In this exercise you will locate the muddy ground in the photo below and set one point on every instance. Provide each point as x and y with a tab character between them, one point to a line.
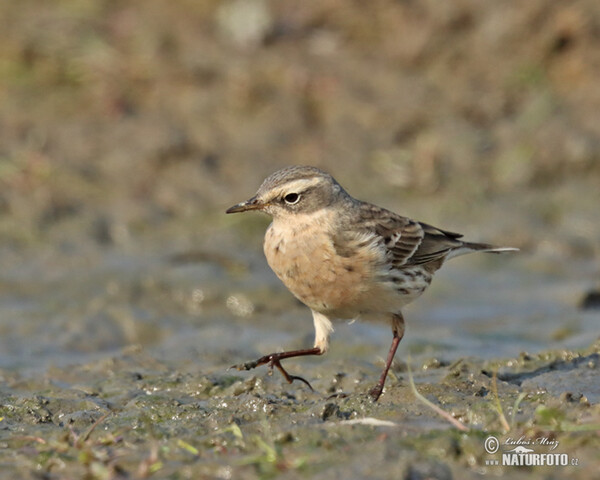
126	130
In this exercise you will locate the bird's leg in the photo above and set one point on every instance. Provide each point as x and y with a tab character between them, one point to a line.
274	360
398	331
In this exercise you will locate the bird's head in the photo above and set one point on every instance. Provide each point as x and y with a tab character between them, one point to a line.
294	190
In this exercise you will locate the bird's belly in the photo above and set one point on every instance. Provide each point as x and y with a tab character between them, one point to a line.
339	286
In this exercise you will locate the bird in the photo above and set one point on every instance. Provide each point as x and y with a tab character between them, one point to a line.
345	258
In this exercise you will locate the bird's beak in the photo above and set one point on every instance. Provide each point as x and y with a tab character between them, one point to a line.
252	204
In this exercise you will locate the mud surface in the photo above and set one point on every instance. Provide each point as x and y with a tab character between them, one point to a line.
126	293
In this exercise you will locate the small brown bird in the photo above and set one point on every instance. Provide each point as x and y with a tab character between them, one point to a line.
345	258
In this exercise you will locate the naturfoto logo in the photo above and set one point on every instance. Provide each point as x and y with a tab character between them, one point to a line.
525	452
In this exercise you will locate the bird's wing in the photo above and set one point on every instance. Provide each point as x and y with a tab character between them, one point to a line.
407	241
436	244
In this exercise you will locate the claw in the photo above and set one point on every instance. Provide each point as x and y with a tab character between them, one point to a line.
290	378
296	377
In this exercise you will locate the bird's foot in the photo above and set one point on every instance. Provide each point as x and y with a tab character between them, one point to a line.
376	392
273	360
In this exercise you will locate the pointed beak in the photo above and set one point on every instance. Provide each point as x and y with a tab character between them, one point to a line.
252	204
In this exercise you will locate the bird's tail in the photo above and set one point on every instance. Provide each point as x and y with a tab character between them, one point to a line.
486	247
469	247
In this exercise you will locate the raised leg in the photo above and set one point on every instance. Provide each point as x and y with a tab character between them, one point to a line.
274	360
398	332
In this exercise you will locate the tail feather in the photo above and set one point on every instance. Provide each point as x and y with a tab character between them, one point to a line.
469	247
486	247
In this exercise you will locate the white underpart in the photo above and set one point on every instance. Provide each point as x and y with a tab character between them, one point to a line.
323	329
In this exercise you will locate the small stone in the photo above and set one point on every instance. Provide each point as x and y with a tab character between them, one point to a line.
590	301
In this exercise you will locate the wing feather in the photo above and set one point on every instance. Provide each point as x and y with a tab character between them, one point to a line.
407	241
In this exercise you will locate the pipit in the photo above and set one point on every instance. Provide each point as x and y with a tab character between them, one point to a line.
345	258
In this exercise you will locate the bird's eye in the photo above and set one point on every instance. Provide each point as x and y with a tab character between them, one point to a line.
292	198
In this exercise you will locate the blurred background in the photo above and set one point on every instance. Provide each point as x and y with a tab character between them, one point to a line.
127	128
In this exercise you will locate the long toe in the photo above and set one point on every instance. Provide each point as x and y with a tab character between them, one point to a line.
242	366
296	377
249	365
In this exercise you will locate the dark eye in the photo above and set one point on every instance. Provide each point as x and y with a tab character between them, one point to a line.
292	198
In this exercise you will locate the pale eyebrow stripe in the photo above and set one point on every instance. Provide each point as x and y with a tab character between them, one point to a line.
296	186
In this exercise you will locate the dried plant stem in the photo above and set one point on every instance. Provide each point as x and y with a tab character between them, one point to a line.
503	420
461	426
